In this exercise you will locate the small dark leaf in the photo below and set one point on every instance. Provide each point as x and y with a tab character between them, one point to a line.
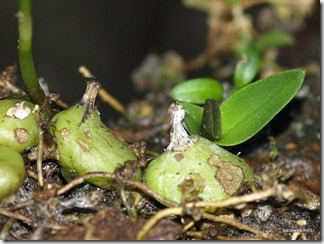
211	121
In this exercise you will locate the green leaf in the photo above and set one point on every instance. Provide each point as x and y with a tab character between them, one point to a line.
211	122
274	39
197	91
233	2
248	67
250	108
193	117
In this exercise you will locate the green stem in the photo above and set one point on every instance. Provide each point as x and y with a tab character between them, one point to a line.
26	62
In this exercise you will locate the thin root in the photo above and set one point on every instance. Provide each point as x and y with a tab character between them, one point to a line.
82	179
40	147
16	216
156	218
219	204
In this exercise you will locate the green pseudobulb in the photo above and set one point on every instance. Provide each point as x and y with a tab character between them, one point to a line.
86	145
18	126
216	173
12	171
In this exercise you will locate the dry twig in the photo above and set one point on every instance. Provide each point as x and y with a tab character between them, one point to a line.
104	95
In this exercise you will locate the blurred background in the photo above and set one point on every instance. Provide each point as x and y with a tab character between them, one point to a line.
113	37
110	37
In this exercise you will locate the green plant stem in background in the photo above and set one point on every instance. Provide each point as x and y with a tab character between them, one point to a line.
26	62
